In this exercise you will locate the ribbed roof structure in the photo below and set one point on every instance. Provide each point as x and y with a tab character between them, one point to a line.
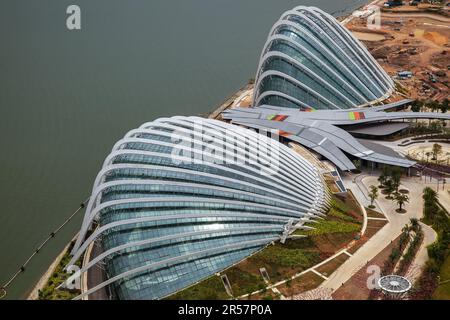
181	198
310	61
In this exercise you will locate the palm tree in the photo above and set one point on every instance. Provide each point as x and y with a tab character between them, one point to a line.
382	180
357	164
434	105
444	106
439	222
428	154
429	195
437	150
416	106
405	228
414	223
401	199
389	187
396	175
373	195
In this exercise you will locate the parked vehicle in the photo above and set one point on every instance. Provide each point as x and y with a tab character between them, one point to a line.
405	75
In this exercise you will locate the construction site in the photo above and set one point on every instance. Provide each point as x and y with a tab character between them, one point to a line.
412	44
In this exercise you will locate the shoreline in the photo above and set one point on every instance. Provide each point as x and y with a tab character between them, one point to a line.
34	293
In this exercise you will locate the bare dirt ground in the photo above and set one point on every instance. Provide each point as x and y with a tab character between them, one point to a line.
414	41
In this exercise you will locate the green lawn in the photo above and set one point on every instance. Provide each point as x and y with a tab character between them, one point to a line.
209	289
331	226
287	257
243	282
341	218
340	215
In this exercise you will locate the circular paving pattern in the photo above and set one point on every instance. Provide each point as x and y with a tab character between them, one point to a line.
394	284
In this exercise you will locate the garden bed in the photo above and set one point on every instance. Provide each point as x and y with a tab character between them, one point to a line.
373	226
305	282
209	289
442	292
374	214
59	275
328	268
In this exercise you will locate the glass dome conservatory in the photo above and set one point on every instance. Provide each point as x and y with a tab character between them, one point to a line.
179	199
310	61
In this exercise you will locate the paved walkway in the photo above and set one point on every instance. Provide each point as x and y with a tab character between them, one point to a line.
444	196
385	235
421	258
359	185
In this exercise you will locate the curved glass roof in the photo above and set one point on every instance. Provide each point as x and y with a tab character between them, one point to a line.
310	61
181	198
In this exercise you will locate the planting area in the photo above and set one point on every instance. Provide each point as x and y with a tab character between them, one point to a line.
50	291
374	214
434	281
305	282
424	152
328	268
373	226
443	290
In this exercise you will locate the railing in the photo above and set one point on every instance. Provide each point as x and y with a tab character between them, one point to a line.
22	268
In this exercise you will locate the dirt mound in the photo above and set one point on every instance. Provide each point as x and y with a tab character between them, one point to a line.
436	37
384	51
441	60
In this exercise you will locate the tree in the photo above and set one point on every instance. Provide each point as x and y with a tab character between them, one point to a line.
437	150
414	224
405	230
417	106
429	195
389	187
433	105
357	164
401	199
382	180
396	175
430	206
385	172
440	221
373	195
428	154
444	106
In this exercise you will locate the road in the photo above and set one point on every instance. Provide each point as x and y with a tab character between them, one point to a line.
431	16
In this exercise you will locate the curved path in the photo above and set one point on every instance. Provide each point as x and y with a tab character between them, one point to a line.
385	235
421	258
